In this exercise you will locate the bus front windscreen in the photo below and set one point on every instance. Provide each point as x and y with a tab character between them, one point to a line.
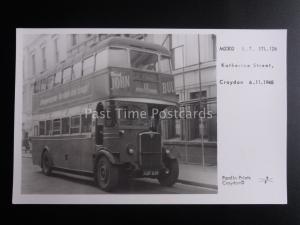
144	60
132	114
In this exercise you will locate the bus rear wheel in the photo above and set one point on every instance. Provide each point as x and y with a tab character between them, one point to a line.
170	178
107	174
46	164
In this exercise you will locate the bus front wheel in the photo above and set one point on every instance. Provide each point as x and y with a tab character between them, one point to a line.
46	164
169	178
107	174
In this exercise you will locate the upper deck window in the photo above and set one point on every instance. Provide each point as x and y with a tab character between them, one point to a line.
67	72
77	70
143	60
37	86
165	66
57	79
101	60
118	57
50	82
43	84
88	65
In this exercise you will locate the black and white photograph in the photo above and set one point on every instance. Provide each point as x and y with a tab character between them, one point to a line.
150	116
118	113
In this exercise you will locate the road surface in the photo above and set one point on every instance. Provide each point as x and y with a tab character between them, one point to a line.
35	182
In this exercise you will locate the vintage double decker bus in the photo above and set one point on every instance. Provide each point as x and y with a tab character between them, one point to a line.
117	73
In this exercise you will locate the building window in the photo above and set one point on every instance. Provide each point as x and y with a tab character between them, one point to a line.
44	58
48	127
65	125
86	123
178	57
42	127
196	95
56	127
56	50
66	75
88	65
77	70
57	79
33	64
74	39
75	124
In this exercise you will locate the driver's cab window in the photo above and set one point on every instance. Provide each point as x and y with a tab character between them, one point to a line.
110	114
155	120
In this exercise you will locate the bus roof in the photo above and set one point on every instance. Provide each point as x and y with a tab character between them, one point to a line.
130	42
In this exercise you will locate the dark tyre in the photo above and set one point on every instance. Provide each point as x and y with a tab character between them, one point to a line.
170	178
46	164
107	174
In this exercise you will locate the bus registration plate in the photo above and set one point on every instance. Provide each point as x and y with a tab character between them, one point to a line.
150	173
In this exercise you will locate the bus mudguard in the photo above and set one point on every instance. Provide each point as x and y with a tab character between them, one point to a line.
107	154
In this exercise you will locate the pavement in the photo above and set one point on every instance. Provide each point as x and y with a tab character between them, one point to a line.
195	174
189	174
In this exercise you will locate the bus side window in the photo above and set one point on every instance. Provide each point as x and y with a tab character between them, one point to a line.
86	123
56	127
48	127
42	127
65	125
36	130
75	124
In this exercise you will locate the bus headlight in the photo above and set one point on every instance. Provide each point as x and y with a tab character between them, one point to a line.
130	151
168	151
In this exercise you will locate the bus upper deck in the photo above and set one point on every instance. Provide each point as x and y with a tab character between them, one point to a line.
118	67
